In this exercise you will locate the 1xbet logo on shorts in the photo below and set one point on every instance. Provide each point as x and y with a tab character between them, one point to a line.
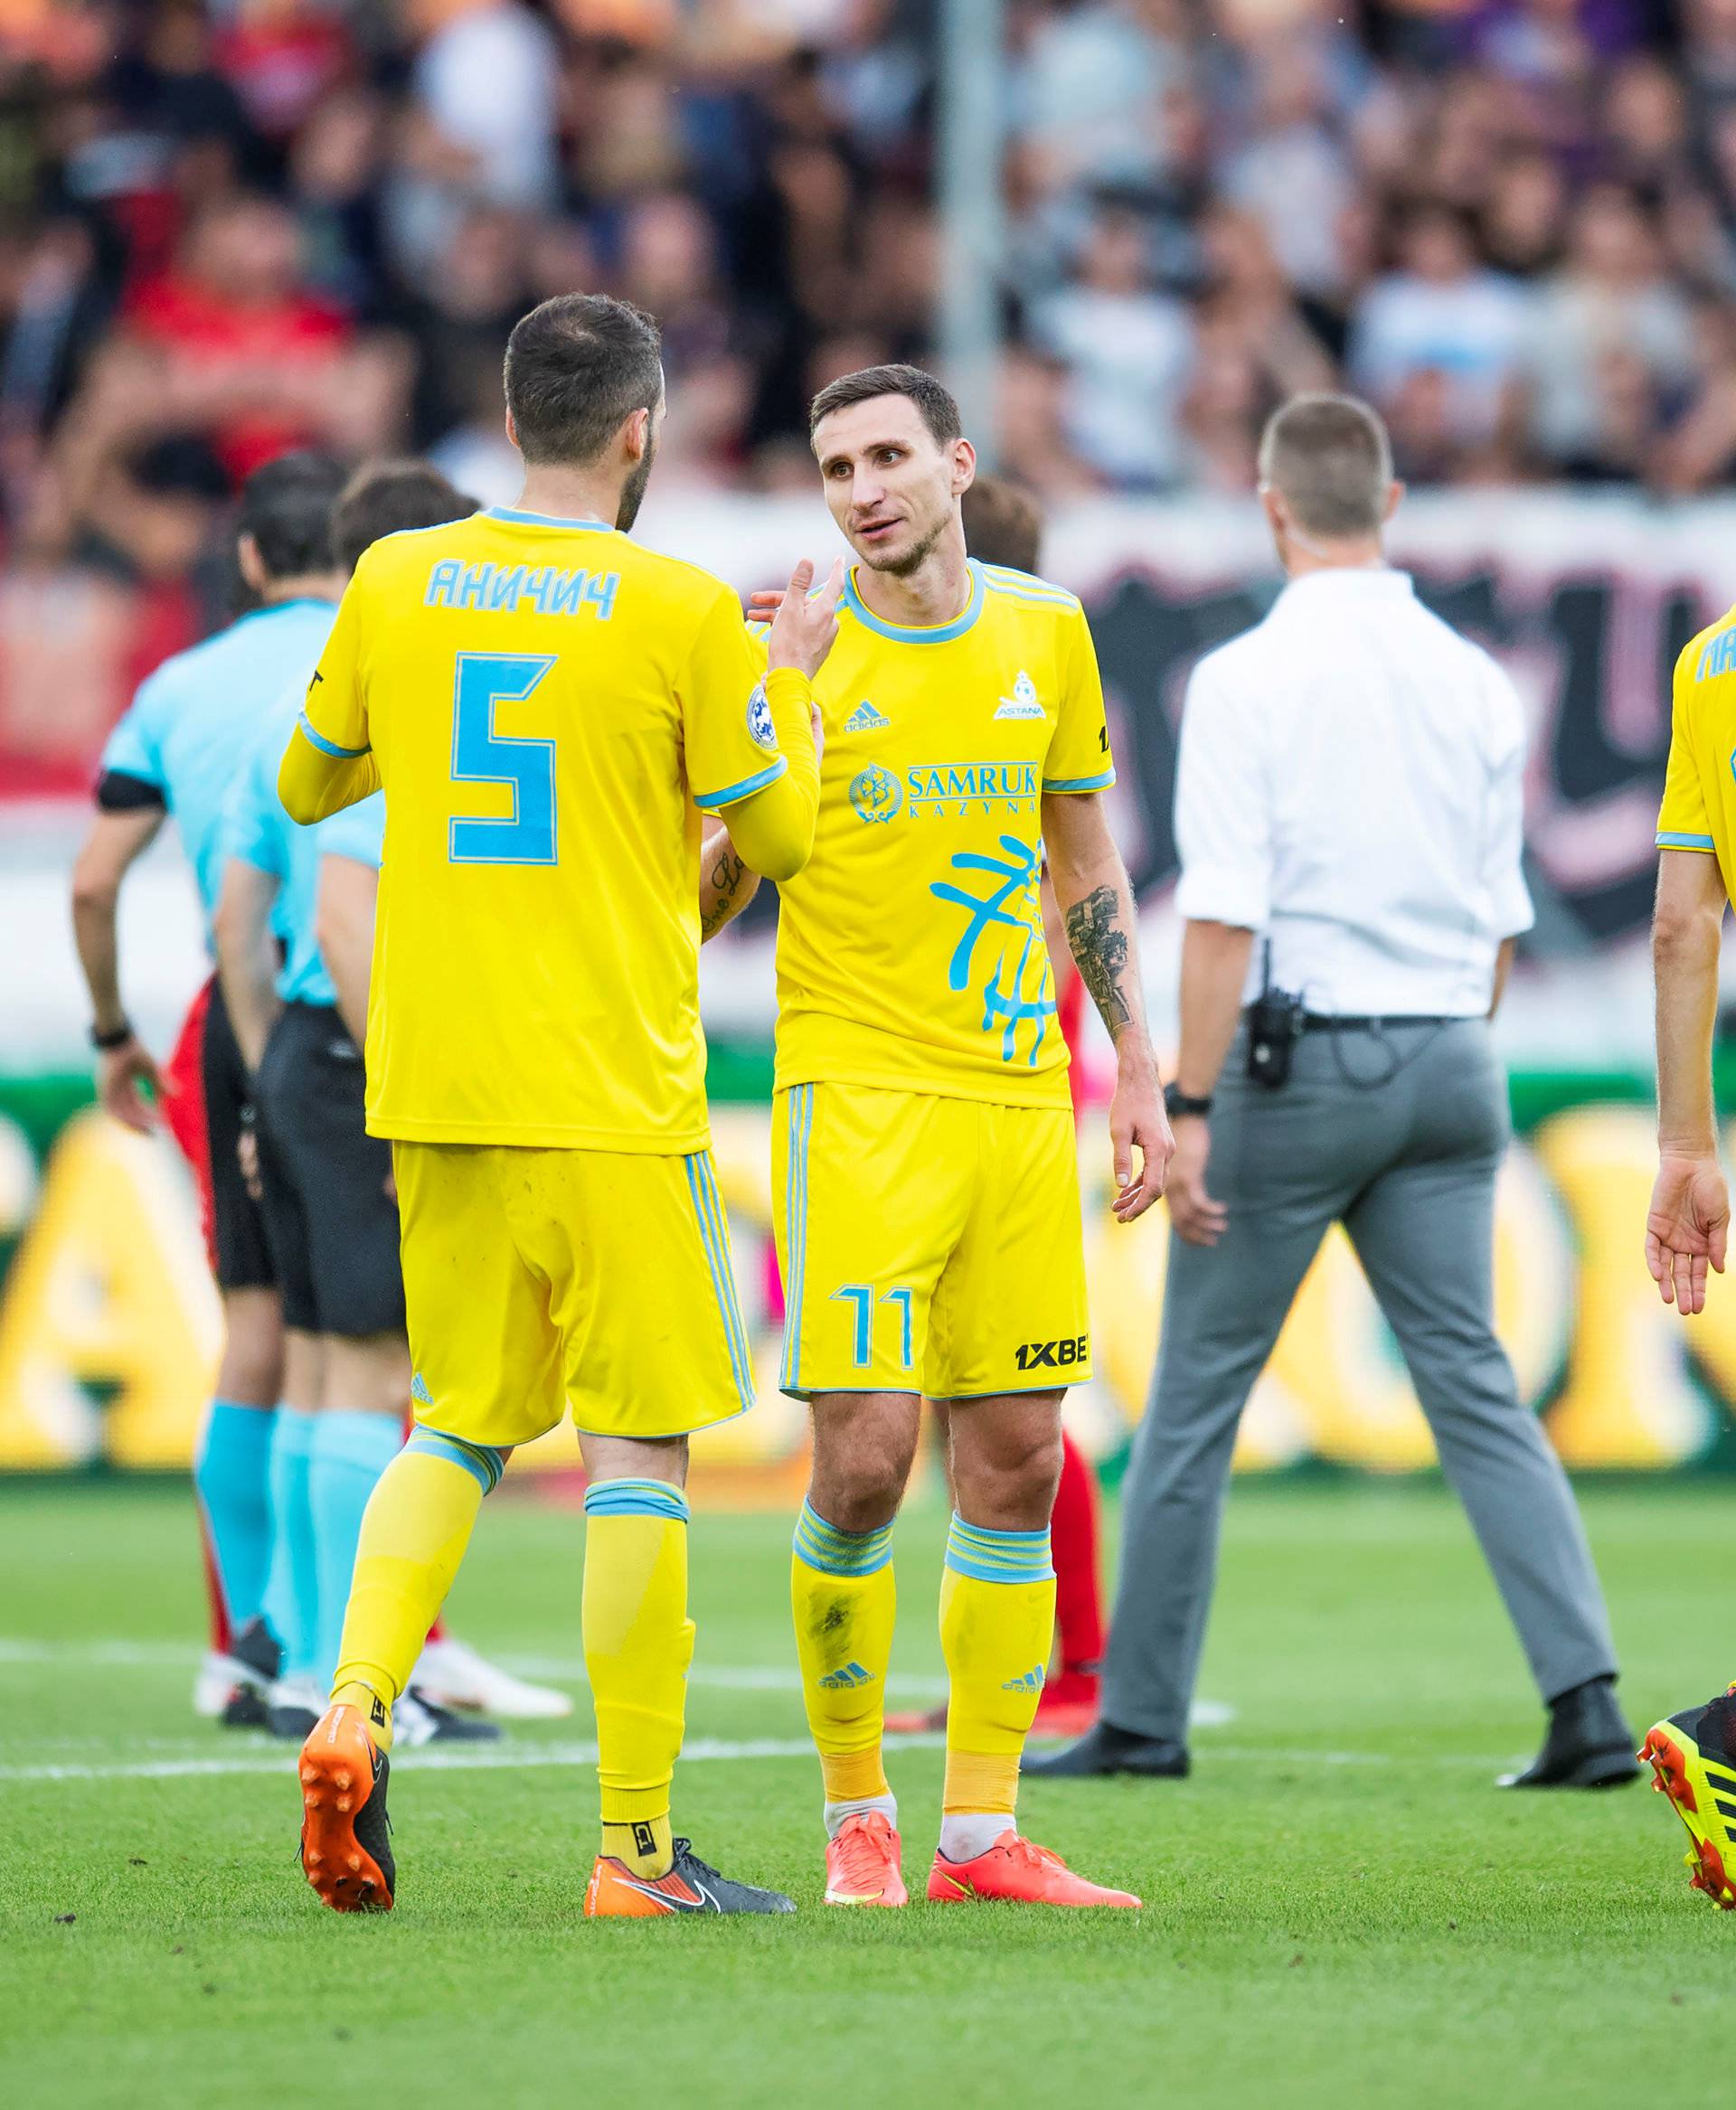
1054	1354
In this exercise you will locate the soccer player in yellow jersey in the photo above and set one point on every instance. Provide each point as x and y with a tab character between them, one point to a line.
925	1177
548	707
1693	1754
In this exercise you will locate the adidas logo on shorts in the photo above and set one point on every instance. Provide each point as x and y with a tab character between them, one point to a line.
1031	1681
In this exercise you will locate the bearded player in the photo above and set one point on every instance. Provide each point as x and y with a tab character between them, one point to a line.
925	1182
547	705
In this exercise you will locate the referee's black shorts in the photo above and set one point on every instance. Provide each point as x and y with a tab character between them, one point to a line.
331	1214
243	1255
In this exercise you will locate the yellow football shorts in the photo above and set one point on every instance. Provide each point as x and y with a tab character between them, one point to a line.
536	1279
927	1244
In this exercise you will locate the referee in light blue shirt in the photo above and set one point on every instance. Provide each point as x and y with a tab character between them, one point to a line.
175	754
299	1008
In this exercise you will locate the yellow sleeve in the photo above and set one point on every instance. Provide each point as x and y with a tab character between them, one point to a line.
773	829
727	727
1683	820
750	742
1079	757
329	763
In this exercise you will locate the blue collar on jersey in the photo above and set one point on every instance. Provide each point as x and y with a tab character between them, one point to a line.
544	519
919	634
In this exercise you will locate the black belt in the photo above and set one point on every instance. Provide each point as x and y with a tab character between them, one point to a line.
1317	1021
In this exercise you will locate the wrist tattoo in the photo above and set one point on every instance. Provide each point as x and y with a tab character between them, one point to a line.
726	878
1102	951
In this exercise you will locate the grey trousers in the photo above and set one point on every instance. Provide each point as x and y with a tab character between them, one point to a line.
1409	1166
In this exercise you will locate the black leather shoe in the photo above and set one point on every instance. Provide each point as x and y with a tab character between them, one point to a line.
1105	1749
1589	1743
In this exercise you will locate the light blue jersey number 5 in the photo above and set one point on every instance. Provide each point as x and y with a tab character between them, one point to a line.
482	755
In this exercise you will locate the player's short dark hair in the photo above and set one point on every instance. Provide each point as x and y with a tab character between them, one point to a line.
287	508
933	398
383	498
1003	524
577	368
1331	458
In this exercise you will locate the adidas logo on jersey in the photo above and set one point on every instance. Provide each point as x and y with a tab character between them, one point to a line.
1022	703
864	718
842	1681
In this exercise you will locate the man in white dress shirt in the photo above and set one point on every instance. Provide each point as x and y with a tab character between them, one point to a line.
1349	816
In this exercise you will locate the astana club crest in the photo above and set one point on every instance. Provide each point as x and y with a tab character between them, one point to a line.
875	792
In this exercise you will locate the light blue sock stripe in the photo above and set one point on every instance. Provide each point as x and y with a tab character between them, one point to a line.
483	1463
636	1498
709	1204
999	1557
984	1535
822	1546
801	1114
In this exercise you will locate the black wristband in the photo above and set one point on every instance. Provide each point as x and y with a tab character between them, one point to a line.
1177	1103
118	1037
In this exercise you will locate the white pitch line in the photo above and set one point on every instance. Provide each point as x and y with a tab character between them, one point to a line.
461	1758
698	1750
158	1655
163	1655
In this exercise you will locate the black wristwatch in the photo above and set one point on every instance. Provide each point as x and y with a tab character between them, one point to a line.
1177	1103
117	1037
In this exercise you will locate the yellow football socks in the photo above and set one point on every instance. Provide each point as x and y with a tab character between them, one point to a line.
638	1647
844	1600
997	1619
414	1530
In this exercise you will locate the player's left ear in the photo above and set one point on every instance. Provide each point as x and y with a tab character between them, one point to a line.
964	466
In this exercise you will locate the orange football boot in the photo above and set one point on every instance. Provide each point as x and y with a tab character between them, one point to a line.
861	1862
690	1885
1693	1757
1020	1869
345	1833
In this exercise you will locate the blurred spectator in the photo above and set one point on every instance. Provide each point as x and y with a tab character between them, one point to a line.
231	226
1442	312
1128	349
1609	334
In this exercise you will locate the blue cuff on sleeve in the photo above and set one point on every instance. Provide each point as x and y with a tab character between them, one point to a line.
732	794
327	747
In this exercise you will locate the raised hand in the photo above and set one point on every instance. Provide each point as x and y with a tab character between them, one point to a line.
805	623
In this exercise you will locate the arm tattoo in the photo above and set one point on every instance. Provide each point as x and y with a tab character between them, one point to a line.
726	879
1100	952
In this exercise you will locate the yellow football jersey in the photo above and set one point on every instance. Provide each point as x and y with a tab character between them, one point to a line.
548	705
1699	809
911	951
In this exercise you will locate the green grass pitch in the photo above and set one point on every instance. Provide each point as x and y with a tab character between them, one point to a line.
1340	1908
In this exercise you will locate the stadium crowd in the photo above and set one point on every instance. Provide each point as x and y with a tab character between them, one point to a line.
227	229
